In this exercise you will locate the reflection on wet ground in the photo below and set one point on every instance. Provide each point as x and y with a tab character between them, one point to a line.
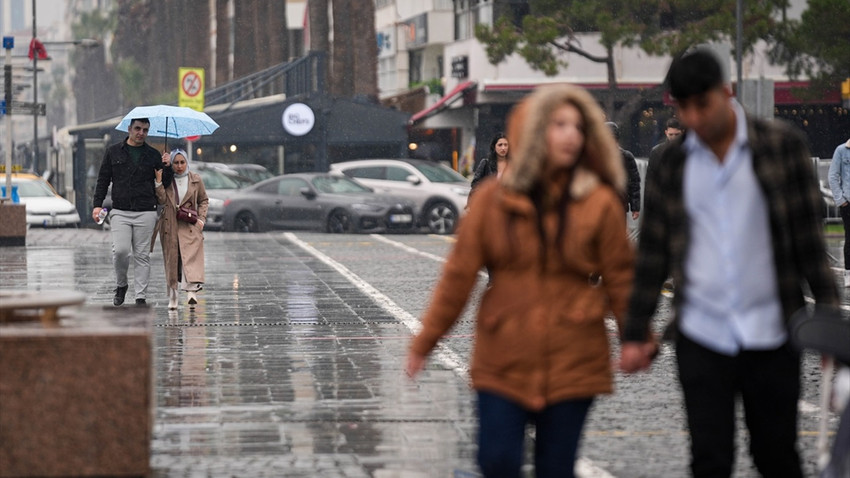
283	368
287	368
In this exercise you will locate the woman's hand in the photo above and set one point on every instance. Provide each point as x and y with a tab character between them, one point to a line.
415	364
637	356
158	174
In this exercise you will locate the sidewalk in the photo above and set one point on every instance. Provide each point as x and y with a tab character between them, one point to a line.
288	368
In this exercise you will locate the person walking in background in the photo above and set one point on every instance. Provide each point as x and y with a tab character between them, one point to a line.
631	200
732	212
552	234
839	182
182	242
130	167
672	130
495	162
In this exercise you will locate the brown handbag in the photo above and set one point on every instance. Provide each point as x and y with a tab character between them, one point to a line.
185	213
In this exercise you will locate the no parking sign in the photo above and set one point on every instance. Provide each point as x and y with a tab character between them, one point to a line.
192	88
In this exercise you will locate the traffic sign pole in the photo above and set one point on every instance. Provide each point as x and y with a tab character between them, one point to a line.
8	44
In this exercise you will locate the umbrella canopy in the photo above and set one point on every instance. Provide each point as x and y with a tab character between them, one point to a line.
171	121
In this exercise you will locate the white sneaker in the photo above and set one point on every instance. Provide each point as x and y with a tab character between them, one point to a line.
192	298
846	278
172	299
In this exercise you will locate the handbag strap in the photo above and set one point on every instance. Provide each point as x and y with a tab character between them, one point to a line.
176	194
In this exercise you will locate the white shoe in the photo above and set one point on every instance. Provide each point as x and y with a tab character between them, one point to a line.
172	299
847	278
192	298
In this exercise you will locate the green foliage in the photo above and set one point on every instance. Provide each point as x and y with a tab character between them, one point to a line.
93	24
817	44
131	77
659	27
435	85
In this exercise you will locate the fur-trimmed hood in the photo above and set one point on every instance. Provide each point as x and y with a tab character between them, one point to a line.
599	162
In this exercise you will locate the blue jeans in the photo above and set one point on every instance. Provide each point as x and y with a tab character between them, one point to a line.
502	432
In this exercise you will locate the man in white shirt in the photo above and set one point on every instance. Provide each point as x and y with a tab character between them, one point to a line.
732	213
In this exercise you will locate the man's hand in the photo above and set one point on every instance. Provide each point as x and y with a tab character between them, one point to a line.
635	215
845	204
166	159
637	356
95	212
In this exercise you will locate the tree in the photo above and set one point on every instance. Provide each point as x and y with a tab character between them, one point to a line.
658	27
95	82
816	45
354	62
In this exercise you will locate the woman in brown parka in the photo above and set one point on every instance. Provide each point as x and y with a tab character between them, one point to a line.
552	234
182	242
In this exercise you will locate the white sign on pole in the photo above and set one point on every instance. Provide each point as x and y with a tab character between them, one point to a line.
298	119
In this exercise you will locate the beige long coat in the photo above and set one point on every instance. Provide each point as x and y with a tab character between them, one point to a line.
181	236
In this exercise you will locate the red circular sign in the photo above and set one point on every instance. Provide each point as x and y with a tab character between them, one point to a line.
191	83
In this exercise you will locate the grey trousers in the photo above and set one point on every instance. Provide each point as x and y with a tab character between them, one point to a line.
131	234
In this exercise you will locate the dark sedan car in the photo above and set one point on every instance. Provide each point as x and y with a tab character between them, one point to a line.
318	201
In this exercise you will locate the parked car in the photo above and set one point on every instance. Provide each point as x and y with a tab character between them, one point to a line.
439	192
254	172
220	186
45	207
318	201
225	169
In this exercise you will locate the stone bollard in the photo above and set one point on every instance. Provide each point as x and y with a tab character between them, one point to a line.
76	398
13	224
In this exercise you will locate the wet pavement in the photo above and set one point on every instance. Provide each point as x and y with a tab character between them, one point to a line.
292	364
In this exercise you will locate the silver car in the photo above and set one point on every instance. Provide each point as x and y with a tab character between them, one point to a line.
439	192
219	188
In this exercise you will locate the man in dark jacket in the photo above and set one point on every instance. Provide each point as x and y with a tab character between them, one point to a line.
732	212
130	167
631	201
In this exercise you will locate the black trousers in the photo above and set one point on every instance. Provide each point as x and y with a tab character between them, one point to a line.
767	381
845	219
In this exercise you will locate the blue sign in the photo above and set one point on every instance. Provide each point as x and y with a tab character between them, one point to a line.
8	42
2	107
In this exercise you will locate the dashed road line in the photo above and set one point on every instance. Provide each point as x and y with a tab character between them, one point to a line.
449	358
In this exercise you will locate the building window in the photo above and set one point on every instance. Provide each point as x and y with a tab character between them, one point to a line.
469	13
415	65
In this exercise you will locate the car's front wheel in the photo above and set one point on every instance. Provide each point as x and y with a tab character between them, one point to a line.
441	218
339	222
245	222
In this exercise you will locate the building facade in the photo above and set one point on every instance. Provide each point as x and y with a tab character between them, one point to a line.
477	95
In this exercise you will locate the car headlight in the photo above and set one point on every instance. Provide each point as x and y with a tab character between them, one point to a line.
461	191
362	207
215	202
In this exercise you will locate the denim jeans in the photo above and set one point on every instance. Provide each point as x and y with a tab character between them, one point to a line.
502	432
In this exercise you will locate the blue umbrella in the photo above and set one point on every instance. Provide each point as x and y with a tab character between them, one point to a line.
171	121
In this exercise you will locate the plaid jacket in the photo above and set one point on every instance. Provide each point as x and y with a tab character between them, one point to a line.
784	170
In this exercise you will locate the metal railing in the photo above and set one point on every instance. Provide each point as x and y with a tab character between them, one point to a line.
303	76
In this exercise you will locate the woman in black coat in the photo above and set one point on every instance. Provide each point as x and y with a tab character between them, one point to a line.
495	161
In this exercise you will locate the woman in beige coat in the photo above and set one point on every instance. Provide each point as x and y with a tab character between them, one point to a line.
552	234
182	242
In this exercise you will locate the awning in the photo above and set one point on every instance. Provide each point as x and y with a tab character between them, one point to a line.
444	102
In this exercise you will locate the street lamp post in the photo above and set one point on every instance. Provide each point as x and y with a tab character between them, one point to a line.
34	96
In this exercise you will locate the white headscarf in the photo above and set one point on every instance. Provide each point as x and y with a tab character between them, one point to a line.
174	153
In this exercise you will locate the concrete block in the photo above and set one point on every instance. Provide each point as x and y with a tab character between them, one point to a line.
77	399
13	224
